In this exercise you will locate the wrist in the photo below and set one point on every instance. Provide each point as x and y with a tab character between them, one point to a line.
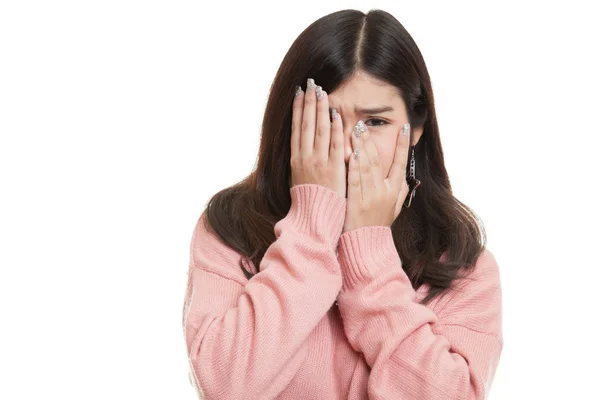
363	251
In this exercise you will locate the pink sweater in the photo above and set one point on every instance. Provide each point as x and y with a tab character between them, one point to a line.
279	335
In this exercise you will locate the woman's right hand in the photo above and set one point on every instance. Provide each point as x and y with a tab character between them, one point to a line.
317	143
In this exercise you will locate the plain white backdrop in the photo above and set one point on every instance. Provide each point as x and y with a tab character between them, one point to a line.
119	119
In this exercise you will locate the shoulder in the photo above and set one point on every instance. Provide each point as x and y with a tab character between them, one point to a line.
485	271
209	253
476	300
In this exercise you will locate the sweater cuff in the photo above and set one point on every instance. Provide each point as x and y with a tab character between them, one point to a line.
317	211
363	251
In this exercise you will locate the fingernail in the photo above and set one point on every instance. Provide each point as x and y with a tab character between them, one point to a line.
405	129
356	153
298	90
319	92
359	129
310	84
334	113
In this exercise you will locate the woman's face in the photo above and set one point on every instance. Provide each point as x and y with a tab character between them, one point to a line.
357	99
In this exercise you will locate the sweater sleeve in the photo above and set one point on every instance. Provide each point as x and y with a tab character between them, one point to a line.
414	352
246	339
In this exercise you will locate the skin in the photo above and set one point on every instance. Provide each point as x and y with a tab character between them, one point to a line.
373	183
365	91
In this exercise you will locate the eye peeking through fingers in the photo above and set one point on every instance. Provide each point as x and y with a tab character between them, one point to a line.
379	122
374	122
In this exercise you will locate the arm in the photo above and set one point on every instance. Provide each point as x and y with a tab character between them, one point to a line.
414	353
246	339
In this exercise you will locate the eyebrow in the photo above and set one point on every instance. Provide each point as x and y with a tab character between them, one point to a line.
374	110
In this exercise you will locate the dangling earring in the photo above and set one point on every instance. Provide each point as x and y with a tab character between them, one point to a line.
413	182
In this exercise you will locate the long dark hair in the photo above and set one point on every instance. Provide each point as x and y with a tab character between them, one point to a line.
330	50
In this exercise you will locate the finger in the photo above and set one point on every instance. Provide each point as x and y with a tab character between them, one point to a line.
354	189
307	140
398	169
297	107
336	152
374	160
323	133
366	176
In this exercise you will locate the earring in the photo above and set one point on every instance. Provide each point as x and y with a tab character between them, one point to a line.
413	182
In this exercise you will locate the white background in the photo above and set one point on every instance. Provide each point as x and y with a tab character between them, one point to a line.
119	119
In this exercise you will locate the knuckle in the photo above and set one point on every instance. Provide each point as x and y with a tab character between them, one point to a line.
318	163
322	131
304	162
306	125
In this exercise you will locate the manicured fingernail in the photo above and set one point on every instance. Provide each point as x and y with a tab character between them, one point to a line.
319	92
405	129
334	113
298	90
359	129
310	84
356	153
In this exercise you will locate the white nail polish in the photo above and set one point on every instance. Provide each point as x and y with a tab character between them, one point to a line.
359	129
319	92
405	129
310	84
356	153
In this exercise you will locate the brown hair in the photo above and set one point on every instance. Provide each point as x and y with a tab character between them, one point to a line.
330	50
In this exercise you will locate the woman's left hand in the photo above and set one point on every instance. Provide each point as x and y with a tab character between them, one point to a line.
372	199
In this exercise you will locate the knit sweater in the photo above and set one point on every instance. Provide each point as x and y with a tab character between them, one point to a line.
281	335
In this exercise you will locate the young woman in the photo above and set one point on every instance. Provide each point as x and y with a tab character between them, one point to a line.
343	267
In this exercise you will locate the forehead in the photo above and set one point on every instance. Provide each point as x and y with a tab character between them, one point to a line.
363	89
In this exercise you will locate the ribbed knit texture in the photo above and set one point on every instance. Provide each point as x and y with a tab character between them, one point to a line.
280	336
